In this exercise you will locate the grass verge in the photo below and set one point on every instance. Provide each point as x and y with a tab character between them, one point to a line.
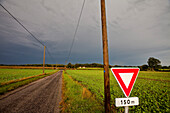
76	99
21	82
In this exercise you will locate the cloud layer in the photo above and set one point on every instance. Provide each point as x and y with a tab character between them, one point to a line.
137	30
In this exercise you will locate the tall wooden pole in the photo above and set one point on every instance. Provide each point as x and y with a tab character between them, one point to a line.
105	58
56	65
44	59
65	65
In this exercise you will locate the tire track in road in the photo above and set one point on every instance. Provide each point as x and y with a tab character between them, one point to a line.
41	96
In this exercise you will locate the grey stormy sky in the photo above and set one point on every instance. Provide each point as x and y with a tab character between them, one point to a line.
137	30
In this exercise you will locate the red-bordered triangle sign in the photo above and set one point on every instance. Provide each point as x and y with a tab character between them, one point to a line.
126	78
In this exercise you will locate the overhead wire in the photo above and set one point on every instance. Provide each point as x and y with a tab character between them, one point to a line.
69	54
50	54
27	30
21	25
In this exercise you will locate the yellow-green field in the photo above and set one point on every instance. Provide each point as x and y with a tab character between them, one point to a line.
14	74
152	88
11	79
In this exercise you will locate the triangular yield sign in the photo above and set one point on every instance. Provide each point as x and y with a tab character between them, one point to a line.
126	78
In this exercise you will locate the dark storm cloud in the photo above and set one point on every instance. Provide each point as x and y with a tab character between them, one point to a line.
137	32
137	29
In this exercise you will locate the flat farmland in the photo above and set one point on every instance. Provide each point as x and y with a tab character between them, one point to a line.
40	96
14	74
152	88
11	79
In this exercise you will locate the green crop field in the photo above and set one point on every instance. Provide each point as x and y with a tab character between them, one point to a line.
78	99
14	74
11	79
152	88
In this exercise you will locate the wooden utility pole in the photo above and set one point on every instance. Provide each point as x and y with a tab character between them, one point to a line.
44	59
65	65
105	58
56	65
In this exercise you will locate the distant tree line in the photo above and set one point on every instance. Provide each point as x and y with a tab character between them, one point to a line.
153	64
69	65
35	65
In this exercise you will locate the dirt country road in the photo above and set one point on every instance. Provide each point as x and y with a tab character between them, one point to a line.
41	96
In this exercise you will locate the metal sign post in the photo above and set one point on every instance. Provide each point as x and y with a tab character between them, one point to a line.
126	109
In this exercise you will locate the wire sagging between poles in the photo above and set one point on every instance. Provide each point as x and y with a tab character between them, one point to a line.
26	30
69	54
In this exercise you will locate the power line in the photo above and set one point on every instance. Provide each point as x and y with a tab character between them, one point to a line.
69	54
21	25
50	54
26	30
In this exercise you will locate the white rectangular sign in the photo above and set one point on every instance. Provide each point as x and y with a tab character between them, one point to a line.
131	101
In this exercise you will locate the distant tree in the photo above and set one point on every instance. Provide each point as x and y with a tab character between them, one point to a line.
158	67
69	65
86	65
144	67
117	66
94	65
48	65
153	63
76	65
60	65
165	67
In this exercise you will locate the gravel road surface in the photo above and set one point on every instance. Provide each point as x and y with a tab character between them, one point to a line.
41	96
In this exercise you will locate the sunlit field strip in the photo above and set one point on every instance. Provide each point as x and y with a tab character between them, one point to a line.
14	74
20	82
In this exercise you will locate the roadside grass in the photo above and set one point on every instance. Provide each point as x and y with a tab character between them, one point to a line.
75	100
13	85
